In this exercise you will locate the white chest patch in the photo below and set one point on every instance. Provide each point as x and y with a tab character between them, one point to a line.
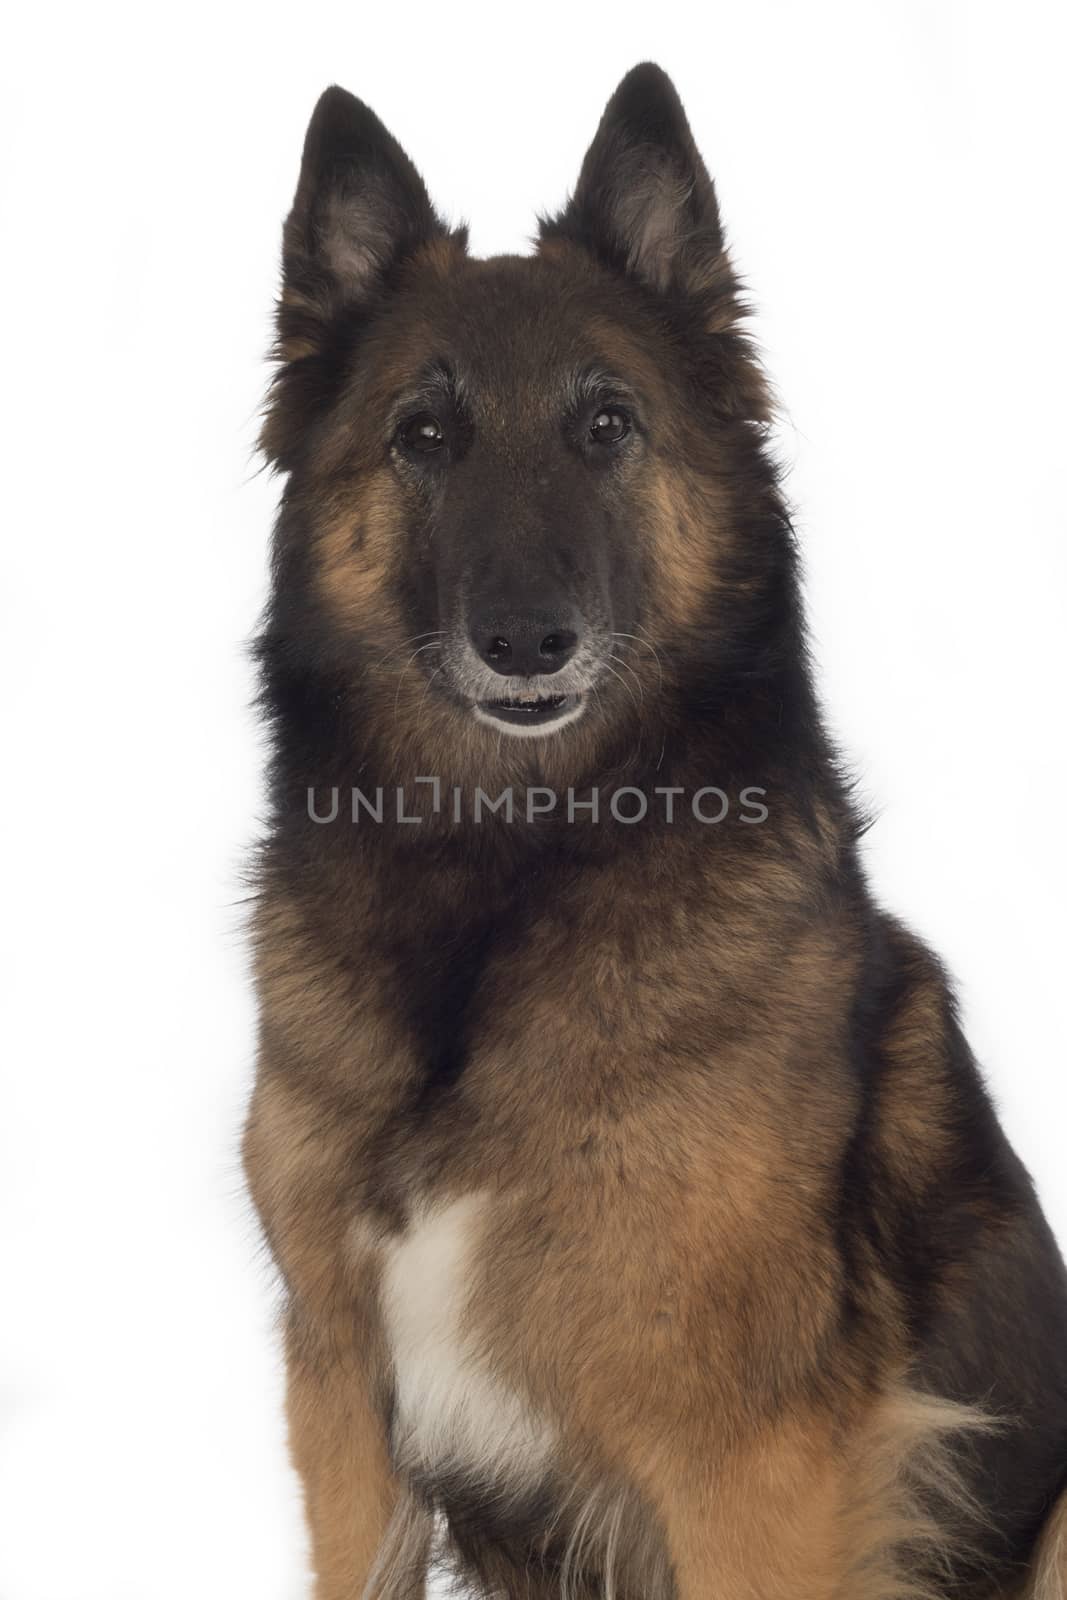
452	1413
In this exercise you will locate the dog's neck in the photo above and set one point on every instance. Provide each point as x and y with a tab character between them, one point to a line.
342	799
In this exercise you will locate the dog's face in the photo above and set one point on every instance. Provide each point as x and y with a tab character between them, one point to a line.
518	487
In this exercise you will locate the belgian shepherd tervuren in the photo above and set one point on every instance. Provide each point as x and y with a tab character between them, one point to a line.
645	1227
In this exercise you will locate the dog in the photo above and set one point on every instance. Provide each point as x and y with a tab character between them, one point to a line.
644	1225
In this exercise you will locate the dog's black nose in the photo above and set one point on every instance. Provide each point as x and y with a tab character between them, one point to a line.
525	643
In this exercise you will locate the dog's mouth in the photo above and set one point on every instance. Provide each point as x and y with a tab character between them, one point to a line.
529	711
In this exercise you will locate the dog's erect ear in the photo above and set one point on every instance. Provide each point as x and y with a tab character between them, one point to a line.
360	205
644	201
360	211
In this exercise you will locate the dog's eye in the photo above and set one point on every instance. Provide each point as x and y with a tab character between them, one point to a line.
422	433
609	426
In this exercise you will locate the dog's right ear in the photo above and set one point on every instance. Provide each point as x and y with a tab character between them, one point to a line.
360	205
361	209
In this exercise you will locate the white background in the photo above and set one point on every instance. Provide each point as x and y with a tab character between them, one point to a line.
892	178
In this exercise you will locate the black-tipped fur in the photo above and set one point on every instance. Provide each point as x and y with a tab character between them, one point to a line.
747	1235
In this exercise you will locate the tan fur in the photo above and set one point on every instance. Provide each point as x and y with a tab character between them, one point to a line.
358	544
339	1447
904	1491
623	1263
599	1253
821	1509
1049	1578
682	520
670	1319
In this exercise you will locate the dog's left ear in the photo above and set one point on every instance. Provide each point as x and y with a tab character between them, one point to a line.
644	201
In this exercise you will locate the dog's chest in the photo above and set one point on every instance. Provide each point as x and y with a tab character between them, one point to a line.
454	1415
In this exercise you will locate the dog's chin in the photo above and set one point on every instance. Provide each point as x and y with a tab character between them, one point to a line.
530	716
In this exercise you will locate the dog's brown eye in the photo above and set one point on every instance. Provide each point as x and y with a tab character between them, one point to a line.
422	433
609	426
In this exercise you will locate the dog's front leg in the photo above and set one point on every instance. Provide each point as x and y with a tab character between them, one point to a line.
765	1520
338	1445
820	1507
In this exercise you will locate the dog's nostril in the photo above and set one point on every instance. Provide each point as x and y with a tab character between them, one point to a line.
525	642
555	645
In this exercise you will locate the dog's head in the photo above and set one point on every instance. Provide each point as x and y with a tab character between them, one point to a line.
527	495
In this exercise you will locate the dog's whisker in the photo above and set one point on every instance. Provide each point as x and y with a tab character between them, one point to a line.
625	685
430	679
431	633
646	644
630	670
433	645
